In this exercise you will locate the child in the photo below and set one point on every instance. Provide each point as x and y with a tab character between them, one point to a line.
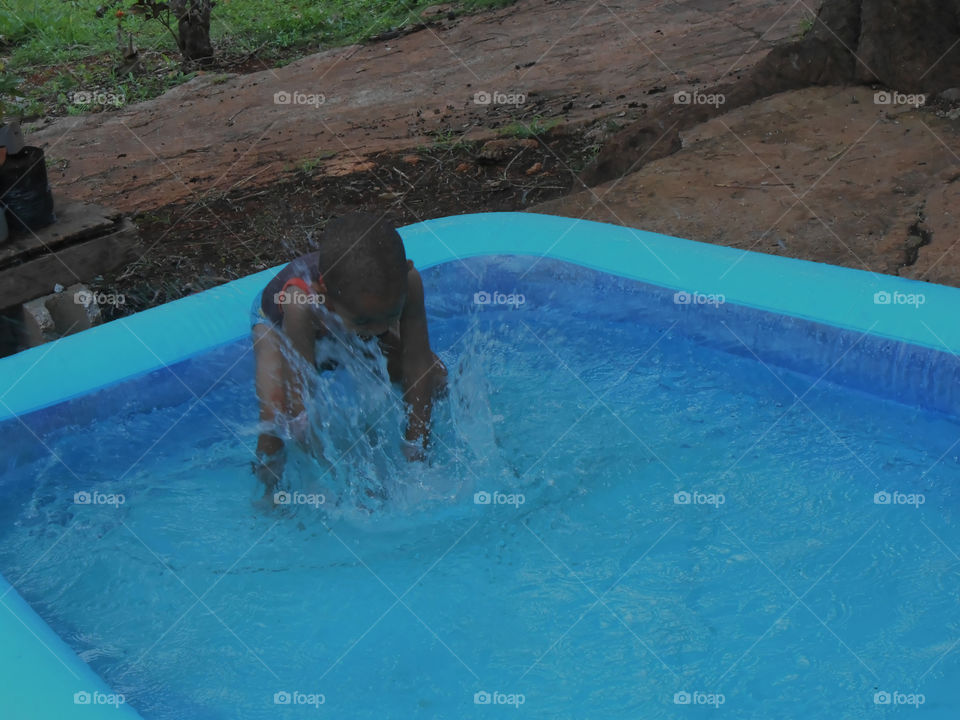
360	281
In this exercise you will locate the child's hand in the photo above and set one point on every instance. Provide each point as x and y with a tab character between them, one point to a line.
268	468
414	452
265	503
299	428
296	428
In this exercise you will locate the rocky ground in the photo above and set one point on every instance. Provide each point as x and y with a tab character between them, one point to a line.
224	181
821	174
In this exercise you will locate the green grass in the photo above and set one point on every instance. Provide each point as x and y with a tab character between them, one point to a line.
534	128
49	48
308	165
446	140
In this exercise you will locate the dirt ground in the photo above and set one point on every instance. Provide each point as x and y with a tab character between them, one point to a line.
223	181
220	131
193	246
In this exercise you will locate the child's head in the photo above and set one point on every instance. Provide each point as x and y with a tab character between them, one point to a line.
364	270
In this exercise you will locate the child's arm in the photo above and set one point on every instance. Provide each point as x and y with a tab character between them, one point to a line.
271	392
282	356
423	374
300	326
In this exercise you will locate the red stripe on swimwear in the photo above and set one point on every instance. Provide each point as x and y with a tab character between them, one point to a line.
295	282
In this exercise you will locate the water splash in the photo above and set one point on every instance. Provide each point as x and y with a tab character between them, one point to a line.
354	455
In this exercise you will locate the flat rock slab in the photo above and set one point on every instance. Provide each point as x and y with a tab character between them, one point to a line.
86	240
76	221
576	60
820	174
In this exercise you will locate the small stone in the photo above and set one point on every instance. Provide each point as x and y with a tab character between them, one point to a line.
435	11
496	150
411	159
38	326
952	95
534	169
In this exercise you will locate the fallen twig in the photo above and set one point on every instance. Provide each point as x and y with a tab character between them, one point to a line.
752	187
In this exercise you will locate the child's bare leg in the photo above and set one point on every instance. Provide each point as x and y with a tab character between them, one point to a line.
271	373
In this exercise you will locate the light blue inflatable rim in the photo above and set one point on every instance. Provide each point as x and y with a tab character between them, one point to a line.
40	675
828	294
37	665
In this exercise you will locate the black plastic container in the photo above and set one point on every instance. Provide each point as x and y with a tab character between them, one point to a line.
25	191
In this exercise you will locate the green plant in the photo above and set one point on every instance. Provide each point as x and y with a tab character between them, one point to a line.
51	47
308	165
447	140
534	128
192	20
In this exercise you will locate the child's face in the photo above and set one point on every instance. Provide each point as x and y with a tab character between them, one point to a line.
370	315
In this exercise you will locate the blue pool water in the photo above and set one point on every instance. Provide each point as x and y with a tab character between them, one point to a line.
783	588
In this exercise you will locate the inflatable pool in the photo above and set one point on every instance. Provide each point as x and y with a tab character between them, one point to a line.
632	381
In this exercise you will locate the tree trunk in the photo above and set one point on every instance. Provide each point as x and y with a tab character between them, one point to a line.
912	46
193	29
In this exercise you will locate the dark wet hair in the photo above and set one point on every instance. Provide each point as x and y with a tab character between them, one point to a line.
362	253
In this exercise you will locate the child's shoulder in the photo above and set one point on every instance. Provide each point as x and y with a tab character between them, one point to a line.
308	265
305	267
